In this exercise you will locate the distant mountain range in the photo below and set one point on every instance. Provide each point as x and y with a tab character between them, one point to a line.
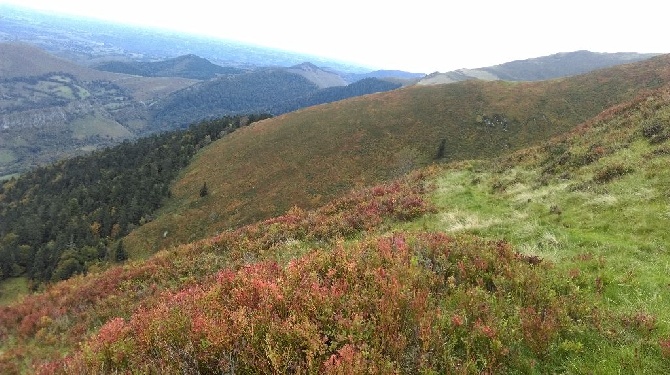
540	68
91	42
147	81
78	109
52	108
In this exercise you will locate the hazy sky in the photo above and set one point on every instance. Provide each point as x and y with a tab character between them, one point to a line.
417	35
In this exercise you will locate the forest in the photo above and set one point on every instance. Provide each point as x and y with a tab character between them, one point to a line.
59	220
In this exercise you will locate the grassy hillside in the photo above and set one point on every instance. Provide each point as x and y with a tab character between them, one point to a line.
307	157
551	259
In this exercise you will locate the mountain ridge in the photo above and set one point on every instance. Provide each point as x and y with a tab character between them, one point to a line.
186	66
558	65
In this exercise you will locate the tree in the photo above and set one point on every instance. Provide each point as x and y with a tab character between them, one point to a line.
120	253
203	190
441	149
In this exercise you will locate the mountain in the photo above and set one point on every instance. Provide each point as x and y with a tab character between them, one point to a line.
187	66
251	92
320	77
550	259
308	157
24	60
540	68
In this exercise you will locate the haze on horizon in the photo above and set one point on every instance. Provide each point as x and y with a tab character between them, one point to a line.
420	36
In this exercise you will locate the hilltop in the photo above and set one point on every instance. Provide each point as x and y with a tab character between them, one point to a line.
310	156
490	265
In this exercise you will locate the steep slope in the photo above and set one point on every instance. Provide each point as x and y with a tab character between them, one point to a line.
540	68
307	157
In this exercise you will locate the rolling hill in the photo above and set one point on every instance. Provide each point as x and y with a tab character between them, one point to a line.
558	65
187	66
307	157
24	60
549	259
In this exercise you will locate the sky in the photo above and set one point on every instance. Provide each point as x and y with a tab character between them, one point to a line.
421	36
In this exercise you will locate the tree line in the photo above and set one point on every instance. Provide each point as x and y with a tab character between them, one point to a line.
59	220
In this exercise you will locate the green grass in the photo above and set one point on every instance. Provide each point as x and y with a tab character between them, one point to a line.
11	289
7	156
92	126
610	235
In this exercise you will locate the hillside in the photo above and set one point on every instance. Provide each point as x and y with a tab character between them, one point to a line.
307	157
271	90
56	109
187	66
18	60
51	108
551	259
558	65
63	219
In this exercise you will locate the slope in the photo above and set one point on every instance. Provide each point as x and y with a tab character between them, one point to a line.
307	157
371	282
594	202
